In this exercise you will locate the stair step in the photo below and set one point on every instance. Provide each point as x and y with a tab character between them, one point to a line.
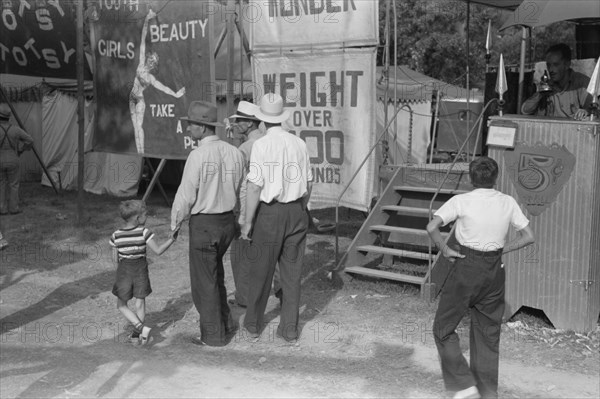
393	251
387	275
430	190
407	210
403	230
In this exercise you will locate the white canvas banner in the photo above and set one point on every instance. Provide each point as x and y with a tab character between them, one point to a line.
311	23
331	96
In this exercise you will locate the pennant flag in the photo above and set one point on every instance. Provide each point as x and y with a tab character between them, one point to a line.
501	86
488	40
594	86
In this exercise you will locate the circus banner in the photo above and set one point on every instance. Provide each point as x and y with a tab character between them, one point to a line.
289	24
331	96
152	58
38	38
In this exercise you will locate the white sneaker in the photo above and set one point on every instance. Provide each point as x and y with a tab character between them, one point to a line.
469	393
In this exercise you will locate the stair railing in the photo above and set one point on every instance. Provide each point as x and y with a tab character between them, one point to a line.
476	124
337	205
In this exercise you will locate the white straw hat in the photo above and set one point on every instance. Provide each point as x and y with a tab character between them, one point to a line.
245	110
271	109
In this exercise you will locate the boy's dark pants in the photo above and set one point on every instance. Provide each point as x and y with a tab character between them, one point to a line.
210	236
476	282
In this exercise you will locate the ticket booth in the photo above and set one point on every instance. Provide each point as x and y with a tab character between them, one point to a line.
552	168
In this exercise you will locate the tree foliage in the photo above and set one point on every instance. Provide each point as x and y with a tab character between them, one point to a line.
432	38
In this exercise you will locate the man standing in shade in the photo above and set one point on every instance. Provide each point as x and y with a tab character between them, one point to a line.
279	187
247	125
209	191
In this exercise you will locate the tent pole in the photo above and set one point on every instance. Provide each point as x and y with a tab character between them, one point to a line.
230	54
468	74
522	69
80	114
154	179
20	123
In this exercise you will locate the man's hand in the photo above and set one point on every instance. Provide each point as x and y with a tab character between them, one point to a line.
174	234
245	231
580	114
451	254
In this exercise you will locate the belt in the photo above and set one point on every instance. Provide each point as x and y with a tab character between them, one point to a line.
283	203
213	214
480	253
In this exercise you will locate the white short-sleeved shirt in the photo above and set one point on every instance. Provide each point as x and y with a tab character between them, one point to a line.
483	217
280	165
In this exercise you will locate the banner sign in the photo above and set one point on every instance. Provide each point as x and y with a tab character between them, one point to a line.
39	38
152	59
311	23
331	96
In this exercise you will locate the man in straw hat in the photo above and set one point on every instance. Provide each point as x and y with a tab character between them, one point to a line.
209	191
279	187
247	125
13	142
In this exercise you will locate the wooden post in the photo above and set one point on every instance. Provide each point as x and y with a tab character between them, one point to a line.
230	53
80	114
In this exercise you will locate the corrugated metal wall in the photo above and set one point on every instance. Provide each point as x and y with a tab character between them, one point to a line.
551	275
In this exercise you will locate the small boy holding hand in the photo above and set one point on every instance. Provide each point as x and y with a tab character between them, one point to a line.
129	251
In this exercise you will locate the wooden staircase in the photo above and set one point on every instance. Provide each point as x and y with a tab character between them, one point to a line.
392	242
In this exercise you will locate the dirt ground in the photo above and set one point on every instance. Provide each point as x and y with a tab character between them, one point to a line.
62	336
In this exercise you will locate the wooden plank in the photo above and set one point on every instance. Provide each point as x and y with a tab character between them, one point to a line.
403	230
407	210
430	190
394	252
385	275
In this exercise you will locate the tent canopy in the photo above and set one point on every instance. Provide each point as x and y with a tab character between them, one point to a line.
535	13
413	86
506	4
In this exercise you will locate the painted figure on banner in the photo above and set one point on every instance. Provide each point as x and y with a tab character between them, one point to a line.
143	79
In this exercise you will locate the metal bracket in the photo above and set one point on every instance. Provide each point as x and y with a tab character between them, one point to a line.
586	283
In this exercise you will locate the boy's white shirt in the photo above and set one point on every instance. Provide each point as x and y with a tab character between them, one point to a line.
483	218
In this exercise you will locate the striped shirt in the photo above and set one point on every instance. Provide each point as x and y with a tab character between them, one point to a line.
131	243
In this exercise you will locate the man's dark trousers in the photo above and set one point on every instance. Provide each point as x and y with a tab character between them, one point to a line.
210	236
241	269
279	234
475	283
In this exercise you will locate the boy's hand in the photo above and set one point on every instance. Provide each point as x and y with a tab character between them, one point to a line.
174	234
451	254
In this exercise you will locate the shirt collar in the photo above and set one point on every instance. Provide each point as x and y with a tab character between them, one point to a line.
256	133
209	139
275	129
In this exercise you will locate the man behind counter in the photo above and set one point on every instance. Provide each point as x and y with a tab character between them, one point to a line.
568	96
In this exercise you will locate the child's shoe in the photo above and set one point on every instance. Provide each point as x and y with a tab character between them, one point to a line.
145	335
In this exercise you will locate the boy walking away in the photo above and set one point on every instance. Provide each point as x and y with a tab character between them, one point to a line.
129	251
476	281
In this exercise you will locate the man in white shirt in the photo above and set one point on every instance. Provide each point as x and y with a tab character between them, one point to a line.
209	192
279	187
476	282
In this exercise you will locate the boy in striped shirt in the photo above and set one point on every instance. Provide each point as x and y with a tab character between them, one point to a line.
129	251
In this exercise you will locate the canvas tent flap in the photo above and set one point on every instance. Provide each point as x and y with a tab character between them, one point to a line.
113	174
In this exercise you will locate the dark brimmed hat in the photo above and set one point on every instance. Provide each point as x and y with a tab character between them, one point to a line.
5	111
202	112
